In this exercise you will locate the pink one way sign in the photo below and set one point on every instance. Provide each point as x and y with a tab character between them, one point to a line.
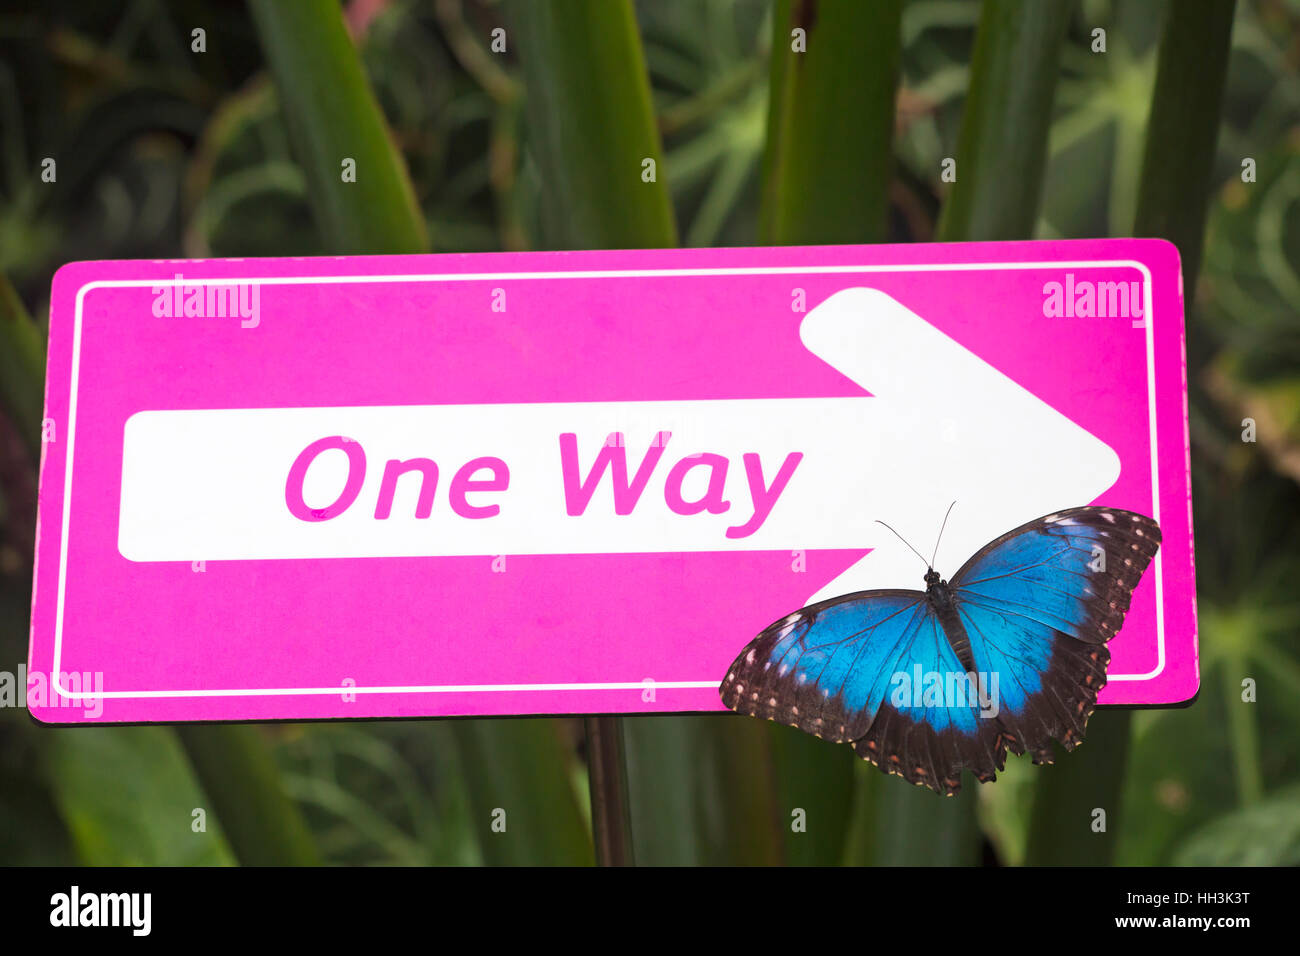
573	482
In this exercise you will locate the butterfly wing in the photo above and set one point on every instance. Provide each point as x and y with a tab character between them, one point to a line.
818	668
1039	604
928	727
850	670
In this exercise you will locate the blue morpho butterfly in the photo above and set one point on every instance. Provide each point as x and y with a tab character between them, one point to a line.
1008	655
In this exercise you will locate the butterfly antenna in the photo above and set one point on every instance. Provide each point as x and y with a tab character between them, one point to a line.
904	540
941	527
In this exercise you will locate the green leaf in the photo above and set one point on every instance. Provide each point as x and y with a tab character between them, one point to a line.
32	831
129	799
1265	834
332	118
381	792
860	840
1177	780
664	772
1069	793
1004	810
702	791
814	786
918	827
830	122
591	125
240	778
1184	127
1002	149
524	809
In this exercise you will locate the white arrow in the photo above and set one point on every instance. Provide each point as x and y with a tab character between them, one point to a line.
944	425
956	429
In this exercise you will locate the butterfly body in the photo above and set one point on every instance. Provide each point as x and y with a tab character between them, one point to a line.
944	604
1006	656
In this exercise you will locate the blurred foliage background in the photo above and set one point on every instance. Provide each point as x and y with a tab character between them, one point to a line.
166	151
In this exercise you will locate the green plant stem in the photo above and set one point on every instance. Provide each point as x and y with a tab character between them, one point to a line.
1002	148
828	160
522	802
1183	128
332	116
237	772
592	124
